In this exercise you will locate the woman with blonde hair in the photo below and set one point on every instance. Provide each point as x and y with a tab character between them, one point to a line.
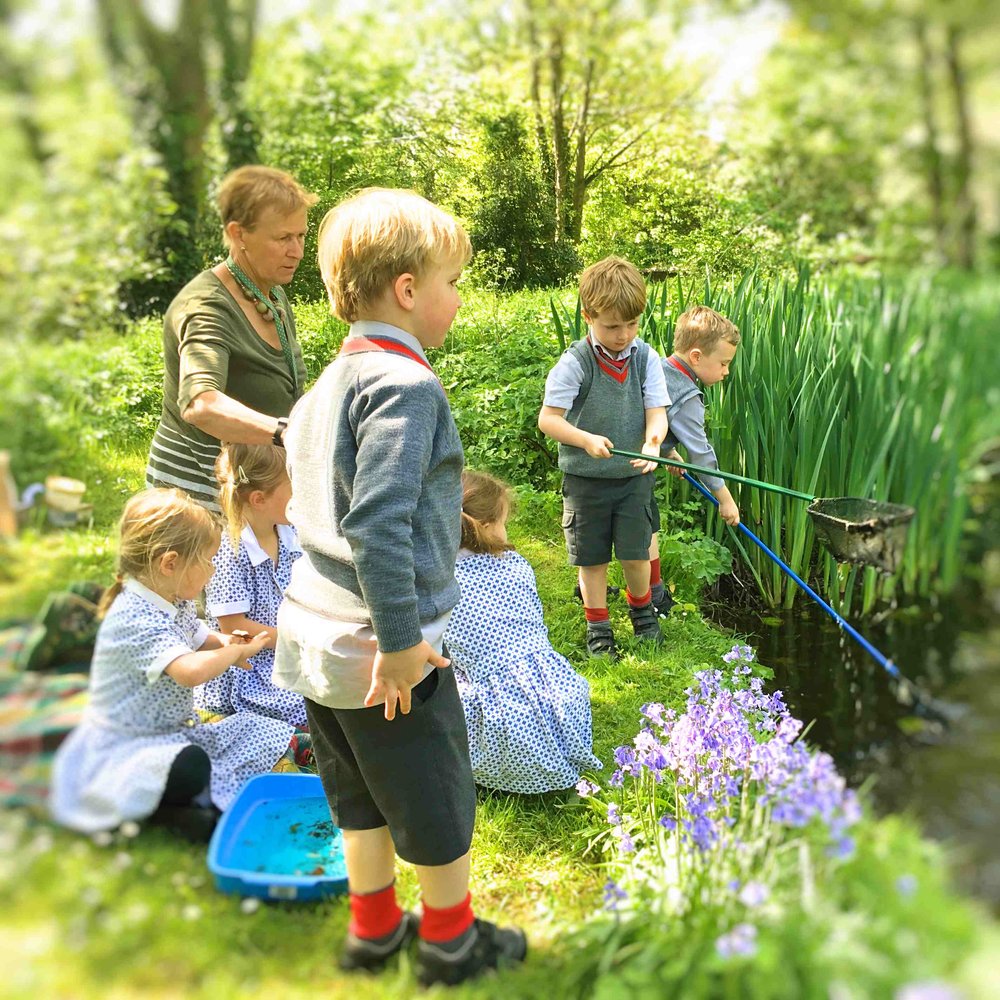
232	366
142	751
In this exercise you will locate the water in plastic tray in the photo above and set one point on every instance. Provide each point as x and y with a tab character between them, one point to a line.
289	837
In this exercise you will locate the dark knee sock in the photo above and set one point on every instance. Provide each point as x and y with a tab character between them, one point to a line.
189	774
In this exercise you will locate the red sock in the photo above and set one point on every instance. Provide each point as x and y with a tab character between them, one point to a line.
638	602
374	914
446	924
596	614
654	572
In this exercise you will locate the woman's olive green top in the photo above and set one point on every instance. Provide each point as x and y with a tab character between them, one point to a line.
208	343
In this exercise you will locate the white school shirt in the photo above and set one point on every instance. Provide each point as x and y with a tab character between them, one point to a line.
247	582
330	661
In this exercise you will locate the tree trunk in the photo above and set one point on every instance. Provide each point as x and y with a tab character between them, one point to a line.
580	166
965	209
165	73
932	150
560	141
535	71
234	26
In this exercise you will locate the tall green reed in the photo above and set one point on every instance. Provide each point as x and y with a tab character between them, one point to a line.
845	387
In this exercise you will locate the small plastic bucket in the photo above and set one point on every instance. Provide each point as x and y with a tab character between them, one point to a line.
870	532
64	494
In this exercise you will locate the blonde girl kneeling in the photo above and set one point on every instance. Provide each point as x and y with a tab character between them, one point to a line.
141	751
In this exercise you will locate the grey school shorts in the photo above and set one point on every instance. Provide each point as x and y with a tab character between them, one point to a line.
601	513
412	775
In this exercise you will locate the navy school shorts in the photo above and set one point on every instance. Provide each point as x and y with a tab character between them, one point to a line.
412	774
601	514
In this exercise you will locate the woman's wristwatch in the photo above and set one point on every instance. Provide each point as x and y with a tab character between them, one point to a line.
279	432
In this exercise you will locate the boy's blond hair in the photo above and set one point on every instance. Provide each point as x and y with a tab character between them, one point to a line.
703	328
370	239
612	285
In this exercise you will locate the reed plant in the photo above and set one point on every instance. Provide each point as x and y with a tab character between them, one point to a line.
875	388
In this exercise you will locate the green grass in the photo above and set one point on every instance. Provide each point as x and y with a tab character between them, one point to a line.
141	917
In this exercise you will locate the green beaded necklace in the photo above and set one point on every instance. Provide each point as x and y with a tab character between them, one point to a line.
270	309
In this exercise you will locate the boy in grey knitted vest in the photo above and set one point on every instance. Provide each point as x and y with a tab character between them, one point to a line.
609	385
376	462
705	344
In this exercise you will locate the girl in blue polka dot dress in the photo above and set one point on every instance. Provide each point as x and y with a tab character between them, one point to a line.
141	750
252	569
527	710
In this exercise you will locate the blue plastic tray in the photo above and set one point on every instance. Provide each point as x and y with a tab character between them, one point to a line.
277	841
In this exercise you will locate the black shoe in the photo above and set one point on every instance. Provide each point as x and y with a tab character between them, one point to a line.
482	947
192	823
612	592
370	954
662	603
601	640
645	623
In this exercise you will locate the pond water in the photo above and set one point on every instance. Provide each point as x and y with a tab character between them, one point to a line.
947	777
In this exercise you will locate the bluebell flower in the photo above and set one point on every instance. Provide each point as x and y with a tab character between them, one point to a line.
613	895
754	894
741	940
906	885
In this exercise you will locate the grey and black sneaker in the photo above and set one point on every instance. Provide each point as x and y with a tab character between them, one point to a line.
370	954
663	601
482	947
601	640
645	623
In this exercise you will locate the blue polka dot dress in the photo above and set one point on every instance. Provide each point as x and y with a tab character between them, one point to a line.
527	710
114	765
247	582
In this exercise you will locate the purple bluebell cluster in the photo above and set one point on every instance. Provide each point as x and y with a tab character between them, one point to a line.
722	778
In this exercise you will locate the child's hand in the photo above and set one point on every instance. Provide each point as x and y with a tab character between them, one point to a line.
672	469
651	448
597	446
394	675
249	647
729	512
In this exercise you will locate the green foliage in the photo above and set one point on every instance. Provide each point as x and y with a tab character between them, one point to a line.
510	215
494	370
866	928
688	556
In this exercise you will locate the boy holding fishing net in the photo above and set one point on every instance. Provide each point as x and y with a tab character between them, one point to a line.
705	344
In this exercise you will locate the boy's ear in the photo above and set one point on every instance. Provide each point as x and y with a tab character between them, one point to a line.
587	318
402	288
695	354
168	563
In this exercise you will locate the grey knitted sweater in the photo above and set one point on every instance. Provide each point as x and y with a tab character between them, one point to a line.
376	464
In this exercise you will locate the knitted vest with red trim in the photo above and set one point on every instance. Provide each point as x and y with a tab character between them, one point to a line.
605	405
